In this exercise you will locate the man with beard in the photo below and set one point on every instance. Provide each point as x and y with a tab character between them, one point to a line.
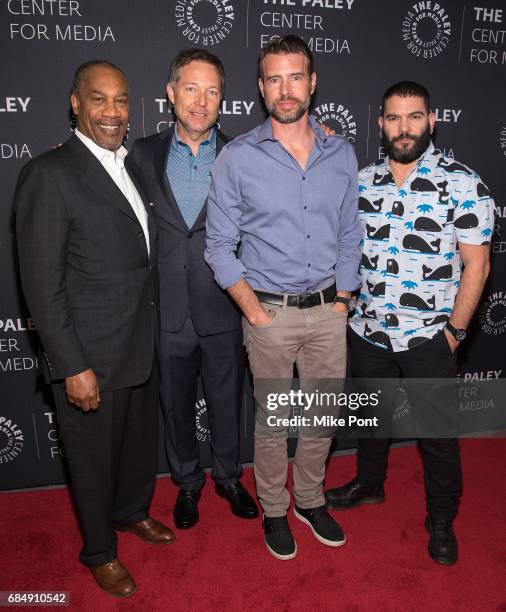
200	325
87	244
431	216
288	195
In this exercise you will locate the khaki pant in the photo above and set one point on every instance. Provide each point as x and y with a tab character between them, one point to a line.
314	339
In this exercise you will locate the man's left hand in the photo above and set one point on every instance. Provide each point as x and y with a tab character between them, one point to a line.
338	307
454	344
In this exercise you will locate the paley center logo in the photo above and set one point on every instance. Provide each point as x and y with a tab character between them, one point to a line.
204	22
493	314
11	440
502	140
426	29
498	245
203	433
338	117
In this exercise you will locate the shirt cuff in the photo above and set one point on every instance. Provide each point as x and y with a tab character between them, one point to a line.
348	280
229	275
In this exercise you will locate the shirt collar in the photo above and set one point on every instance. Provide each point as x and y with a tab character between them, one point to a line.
178	144
264	131
116	157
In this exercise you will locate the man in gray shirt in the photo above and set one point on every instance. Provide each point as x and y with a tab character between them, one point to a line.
289	196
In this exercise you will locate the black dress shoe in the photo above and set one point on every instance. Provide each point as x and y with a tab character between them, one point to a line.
353	494
443	545
186	512
241	502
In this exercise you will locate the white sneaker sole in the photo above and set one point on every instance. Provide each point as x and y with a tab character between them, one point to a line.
320	538
281	557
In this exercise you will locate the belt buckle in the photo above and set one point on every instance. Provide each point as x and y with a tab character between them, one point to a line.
301	300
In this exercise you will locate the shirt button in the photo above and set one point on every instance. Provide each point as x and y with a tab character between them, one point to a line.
194	167
305	207
303	178
308	236
308	265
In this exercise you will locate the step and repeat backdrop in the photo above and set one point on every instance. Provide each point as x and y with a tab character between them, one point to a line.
456	49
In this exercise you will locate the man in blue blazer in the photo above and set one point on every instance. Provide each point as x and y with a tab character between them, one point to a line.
200	325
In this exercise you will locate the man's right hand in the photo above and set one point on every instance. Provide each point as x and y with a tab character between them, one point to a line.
261	317
82	390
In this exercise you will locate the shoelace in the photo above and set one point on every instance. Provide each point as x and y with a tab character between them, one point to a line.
277	524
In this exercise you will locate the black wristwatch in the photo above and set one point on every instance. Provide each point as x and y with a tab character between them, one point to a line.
350	303
458	334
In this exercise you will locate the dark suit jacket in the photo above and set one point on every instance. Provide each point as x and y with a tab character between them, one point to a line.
186	281
85	271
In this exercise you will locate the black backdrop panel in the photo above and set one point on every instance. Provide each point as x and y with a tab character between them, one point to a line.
458	50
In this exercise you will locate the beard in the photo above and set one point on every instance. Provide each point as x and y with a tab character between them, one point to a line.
290	116
406	155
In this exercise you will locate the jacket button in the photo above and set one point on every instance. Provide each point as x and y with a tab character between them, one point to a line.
152	303
140	235
190	234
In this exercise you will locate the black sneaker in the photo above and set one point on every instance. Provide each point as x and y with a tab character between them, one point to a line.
354	493
443	546
278	537
323	526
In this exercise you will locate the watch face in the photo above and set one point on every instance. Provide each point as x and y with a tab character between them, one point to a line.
352	303
460	335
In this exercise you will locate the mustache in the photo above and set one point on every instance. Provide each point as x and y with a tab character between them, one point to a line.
404	136
287	98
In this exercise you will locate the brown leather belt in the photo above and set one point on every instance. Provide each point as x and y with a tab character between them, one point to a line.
302	300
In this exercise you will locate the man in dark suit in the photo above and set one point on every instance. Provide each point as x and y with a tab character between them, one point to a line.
201	327
87	247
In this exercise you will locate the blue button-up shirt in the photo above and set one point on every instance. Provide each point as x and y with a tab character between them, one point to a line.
298	229
189	176
410	264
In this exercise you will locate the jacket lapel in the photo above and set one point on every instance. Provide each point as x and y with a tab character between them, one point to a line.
160	160
149	210
98	179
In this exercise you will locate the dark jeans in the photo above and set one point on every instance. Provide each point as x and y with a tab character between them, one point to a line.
440	456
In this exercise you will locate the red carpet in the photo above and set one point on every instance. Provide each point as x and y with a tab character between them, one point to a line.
222	564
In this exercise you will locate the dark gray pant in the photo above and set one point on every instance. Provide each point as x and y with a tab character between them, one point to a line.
112	456
220	361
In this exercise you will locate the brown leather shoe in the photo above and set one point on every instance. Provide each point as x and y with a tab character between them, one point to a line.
150	530
114	579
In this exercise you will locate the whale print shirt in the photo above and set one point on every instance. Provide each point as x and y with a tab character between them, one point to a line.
410	264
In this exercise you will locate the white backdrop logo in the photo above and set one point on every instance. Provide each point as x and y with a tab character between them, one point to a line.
426	29
11	440
493	314
498	245
502	140
204	22
203	433
338	117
